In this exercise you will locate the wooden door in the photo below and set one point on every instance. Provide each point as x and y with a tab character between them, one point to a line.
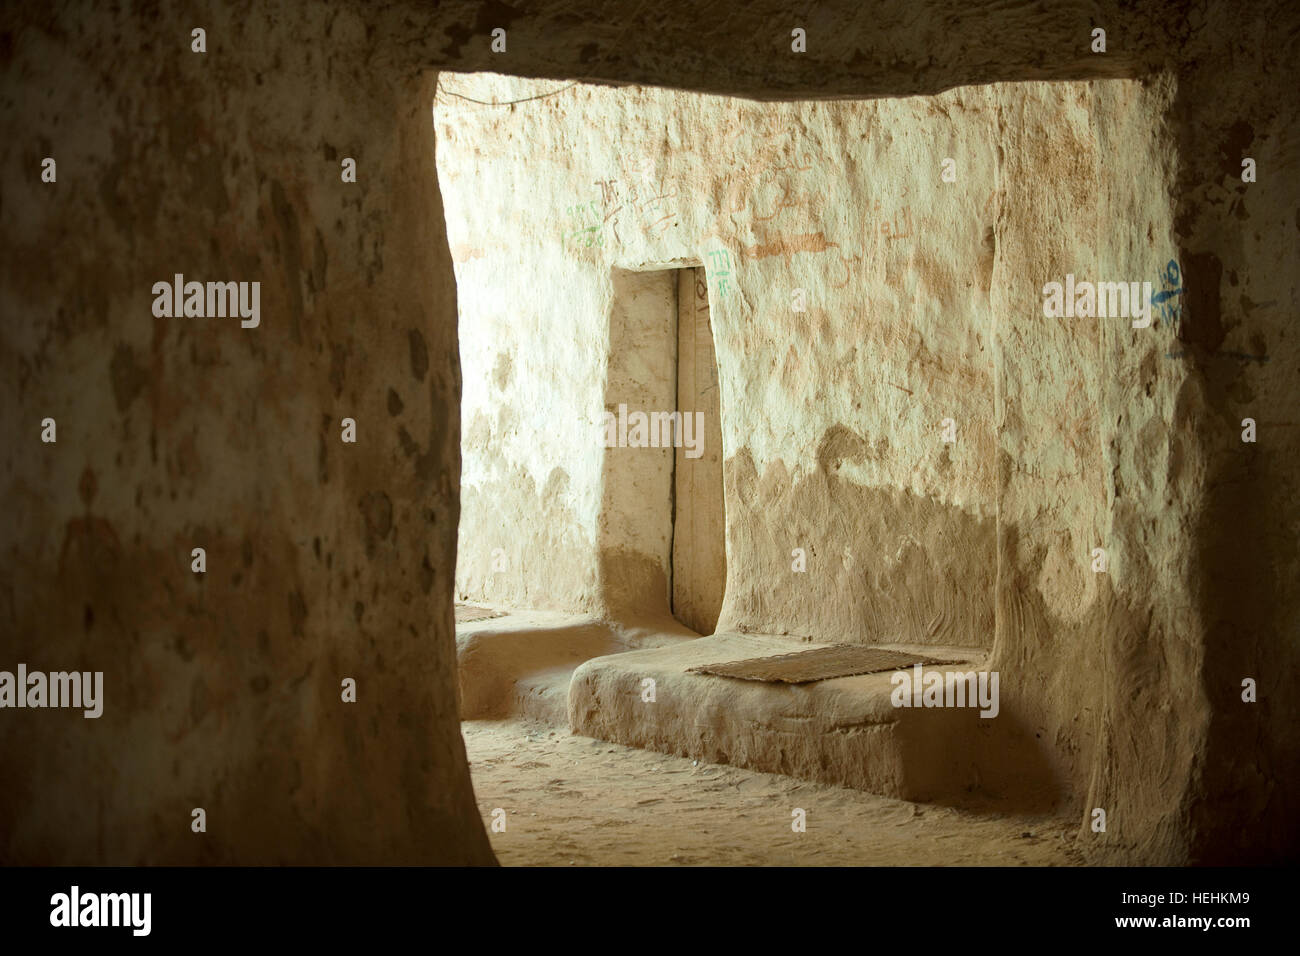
699	519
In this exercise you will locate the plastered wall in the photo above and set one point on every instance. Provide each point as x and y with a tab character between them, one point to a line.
325	560
854	308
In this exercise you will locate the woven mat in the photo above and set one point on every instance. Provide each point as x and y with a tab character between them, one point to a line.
465	613
818	663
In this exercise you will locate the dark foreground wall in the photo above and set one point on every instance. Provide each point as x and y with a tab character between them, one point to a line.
328	561
325	560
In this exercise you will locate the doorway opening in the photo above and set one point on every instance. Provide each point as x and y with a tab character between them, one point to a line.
663	520
699	546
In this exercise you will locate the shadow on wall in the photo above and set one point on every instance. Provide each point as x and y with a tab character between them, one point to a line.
1241	551
507	562
882	565
996	760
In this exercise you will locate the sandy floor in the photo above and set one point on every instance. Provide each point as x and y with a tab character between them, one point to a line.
576	801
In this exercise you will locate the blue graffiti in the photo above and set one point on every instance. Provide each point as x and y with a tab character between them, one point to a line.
1162	305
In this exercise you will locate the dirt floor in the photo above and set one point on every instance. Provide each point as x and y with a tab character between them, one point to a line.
576	801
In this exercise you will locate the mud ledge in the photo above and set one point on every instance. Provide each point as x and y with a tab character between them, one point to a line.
843	731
